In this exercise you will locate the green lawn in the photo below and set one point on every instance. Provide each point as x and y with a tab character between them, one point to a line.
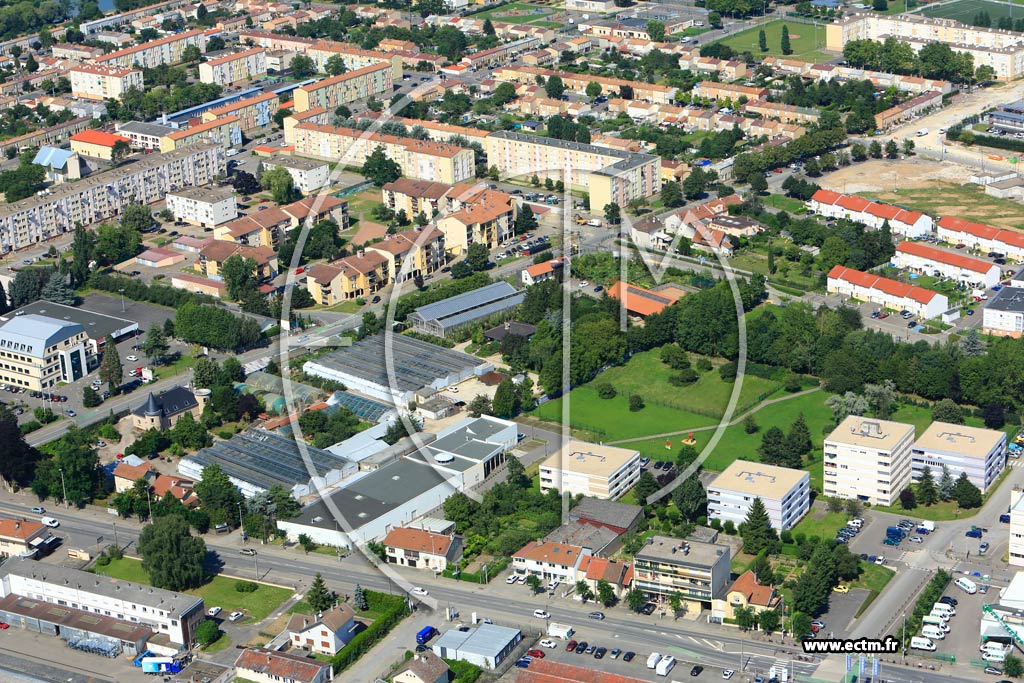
509	12
176	367
784	203
966	201
217	592
965	10
807	41
821	523
222	643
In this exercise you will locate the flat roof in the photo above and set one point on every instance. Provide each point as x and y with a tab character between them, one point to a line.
765	481
298	163
156	130
97	325
975	442
1008	299
661	548
204	194
868	432
590	458
486	640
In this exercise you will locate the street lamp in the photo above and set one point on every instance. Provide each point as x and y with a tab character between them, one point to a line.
122	298
63	487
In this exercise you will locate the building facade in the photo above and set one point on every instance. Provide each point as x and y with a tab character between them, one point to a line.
1016	527
307	175
1003	316
868	460
225	131
330	93
37	352
167	50
550	561
898	296
922	258
593	470
206	208
252	112
100	82
785	493
978	453
422	549
240	66
697	571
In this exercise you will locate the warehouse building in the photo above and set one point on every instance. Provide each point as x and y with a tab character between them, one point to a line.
487	645
980	453
454	313
396	370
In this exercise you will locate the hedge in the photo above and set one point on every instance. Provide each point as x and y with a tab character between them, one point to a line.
393	609
493	569
929	596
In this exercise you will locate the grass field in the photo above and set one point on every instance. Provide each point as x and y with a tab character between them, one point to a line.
964	10
821	523
519	12
806	40
218	592
966	201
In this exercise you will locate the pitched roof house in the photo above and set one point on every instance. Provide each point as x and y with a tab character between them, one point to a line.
260	665
323	633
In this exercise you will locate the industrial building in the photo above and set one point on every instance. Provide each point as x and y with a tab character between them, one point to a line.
868	460
785	493
444	317
978	453
486	645
394	370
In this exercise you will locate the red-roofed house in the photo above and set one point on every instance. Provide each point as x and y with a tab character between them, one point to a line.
872	214
618	574
548	671
981	237
746	592
21	537
422	549
539	272
96	143
899	296
644	302
930	260
550	560
260	665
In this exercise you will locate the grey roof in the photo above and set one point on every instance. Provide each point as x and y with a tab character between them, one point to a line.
1008	299
204	194
486	640
168	403
673	551
96	325
511	327
472	305
267	458
153	129
117	589
585	535
607	512
33	334
293	162
52	157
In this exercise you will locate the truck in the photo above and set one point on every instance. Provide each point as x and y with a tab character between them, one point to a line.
425	635
926	527
665	665
160	665
560	631
895	533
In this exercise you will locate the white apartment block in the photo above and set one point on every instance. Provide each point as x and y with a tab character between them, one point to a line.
980	453
981	237
868	460
590	469
550	560
1004	314
892	294
102	82
168	50
929	260
104	195
785	492
174	615
872	214
144	135
1000	49
1017	527
241	66
205	207
307	174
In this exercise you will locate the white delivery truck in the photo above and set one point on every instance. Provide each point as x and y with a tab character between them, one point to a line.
941	615
919	643
653	660
935	621
560	631
921	133
933	632
665	665
994	657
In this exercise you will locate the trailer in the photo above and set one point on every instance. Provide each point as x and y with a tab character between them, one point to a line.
560	631
160	665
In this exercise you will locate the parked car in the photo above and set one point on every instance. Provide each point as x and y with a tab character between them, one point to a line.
947	600
581	647
247	551
600	652
541	614
547	642
973	533
696	671
628	657
571	645
916	539
614	654
39	510
236	616
536	654
213	611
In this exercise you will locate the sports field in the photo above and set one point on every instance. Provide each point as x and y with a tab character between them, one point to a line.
965	10
806	40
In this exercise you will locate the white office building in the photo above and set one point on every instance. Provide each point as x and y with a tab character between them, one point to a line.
1017	527
591	469
206	207
980	453
868	460
308	175
785	492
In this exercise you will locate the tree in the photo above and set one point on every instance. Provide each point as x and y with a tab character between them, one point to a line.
994	415
480	405
636	403
319	598
972	345
947	410
800	625
17	459
359	600
239	275
90	398
82	248
279	182
927	492
908	501
773	449
505	403
762	41
758	533
554	87
645	486
207	632
302	67
758	184
787	49
218	495
892	150
966	494
171	556
947	485
245	183
769	620
636	599
583	590
335	65
656	30
116	243
533	581
880	5
57	291
762	569
715	19
605	593
612	213
671	194
798	441
380	169
111	373
691	499
1013	666
155	347
488	27
120	151
593	90
875	149
745	618
525	220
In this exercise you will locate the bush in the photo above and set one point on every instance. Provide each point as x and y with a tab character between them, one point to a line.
792	383
246	586
727	372
102	561
729	527
703	365
636	403
207	632
30	426
684	377
786	536
606	390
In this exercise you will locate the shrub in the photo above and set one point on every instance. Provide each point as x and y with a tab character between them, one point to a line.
792	383
102	561
703	365
786	536
636	403
684	377
729	527
207	632
246	586
606	390
716	524
727	372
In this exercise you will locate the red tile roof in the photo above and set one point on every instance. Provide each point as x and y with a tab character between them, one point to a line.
639	300
755	593
279	665
853	203
22	529
419	540
988	232
882	284
132	472
549	551
943	256
826	197
547	671
98	137
539	269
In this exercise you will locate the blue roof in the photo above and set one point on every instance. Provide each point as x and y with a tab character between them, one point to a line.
52	157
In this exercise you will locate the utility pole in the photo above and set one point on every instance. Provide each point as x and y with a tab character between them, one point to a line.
63	488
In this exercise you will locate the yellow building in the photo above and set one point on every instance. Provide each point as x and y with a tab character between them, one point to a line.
168	50
103	82
480	216
746	593
320	51
226	131
416	158
96	144
412	254
212	258
252	112
650	92
610	175
348	278
37	352
414	196
345	88
241	66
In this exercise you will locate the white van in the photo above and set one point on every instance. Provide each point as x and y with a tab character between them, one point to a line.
665	665
919	643
653	660
933	632
967	585
994	656
993	646
943	607
941	615
936	621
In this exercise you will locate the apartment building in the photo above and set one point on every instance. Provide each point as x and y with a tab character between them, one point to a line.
412	254
76	52
905	111
1017	527
259	229
980	237
167	50
213	255
417	158
868	460
979	453
922	258
352	56
1001	49
96	144
37	352
1003	316
345	88
252	112
168	614
697	571
143	135
501	54
205	207
307	175
713	90
435	130
891	294
618	87
102	196
550	561
414	196
783	112
348	278
225	131
880	79
480	216
785	492
593	470
94	82
610	175
421	549
240	66
831	204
